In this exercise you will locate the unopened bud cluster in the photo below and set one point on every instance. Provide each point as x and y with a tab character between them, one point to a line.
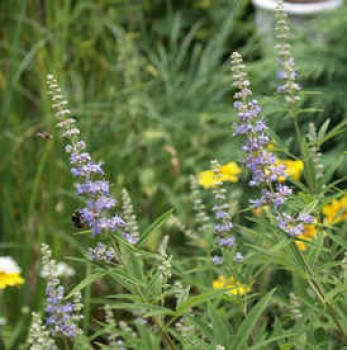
315	151
165	263
223	226
201	218
132	233
287	73
39	337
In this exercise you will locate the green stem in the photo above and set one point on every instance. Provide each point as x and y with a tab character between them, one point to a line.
87	300
295	116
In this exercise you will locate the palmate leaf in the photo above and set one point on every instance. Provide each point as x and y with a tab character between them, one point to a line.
245	330
281	255
133	263
125	280
118	274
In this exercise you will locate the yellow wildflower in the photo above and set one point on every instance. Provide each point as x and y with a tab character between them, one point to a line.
260	211
235	287
336	211
310	232
9	273
228	172
294	168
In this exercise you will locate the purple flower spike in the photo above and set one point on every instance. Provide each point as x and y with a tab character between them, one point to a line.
265	171
98	213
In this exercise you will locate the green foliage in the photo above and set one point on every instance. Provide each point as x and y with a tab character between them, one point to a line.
148	84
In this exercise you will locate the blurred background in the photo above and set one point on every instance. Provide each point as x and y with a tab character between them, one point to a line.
150	84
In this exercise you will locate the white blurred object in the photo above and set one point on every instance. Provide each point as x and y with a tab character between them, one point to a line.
3	321
62	270
299	13
8	265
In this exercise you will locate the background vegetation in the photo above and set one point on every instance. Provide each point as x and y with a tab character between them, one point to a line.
150	85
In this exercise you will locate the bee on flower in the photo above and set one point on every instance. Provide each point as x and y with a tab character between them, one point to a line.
232	284
10	273
227	172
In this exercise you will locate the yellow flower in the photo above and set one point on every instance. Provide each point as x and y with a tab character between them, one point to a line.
9	273
235	287
228	172
310	232
294	168
336	211
260	211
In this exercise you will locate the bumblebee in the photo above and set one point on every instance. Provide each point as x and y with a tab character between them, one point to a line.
78	220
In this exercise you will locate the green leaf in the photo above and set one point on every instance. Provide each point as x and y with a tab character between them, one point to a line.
329	297
154	287
245	330
323	130
86	282
340	128
261	345
337	239
221	329
330	170
155	225
199	299
150	309
133	263
124	279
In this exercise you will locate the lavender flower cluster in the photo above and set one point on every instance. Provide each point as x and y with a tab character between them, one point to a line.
62	317
224	226
102	252
90	175
258	159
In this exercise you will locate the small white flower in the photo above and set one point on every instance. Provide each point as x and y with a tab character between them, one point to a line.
8	265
